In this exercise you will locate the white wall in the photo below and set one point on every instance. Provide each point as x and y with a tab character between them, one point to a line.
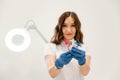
100	23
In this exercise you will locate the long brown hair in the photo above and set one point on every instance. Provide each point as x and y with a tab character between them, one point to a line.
58	34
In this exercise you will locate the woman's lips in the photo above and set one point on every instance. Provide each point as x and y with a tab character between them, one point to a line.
69	34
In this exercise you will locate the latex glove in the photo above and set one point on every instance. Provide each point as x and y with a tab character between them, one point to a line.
78	55
64	59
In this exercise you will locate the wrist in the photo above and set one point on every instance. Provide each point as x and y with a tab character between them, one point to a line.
58	64
82	62
56	67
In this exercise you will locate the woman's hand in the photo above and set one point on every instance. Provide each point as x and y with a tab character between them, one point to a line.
78	55
64	59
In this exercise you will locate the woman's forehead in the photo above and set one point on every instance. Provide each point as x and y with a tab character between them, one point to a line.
69	20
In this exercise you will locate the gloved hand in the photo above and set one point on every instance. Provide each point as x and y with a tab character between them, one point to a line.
78	55
64	59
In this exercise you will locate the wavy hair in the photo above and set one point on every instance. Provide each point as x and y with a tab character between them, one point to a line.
58	34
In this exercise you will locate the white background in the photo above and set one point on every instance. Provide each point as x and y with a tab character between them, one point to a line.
100	23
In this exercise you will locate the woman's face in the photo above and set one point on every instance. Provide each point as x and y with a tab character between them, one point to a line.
69	28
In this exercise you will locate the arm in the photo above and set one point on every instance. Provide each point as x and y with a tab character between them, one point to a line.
84	69
50	60
56	64
83	60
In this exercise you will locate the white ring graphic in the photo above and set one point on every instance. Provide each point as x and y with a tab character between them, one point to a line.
18	31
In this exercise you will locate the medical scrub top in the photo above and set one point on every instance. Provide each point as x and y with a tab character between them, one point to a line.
71	71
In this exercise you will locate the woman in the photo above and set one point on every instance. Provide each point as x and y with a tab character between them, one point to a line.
64	55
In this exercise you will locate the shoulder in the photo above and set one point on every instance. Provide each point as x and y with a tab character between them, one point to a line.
49	48
50	45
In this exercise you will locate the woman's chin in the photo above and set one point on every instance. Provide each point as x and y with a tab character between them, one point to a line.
69	39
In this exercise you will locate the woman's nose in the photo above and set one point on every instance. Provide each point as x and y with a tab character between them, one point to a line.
69	29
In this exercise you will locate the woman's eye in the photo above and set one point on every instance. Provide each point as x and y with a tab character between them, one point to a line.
64	25
73	25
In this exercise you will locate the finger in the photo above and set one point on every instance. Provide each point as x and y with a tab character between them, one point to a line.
69	55
81	52
76	51
76	55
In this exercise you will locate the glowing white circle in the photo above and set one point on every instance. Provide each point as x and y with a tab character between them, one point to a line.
18	31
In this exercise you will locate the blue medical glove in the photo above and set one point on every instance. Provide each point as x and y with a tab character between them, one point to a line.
78	55
64	59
